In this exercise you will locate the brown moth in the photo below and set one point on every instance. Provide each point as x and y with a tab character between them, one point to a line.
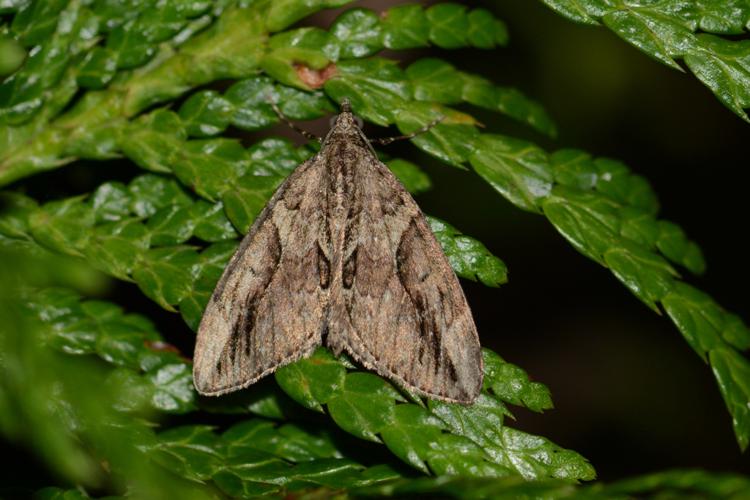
341	256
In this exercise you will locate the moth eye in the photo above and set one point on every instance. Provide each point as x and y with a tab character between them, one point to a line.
359	121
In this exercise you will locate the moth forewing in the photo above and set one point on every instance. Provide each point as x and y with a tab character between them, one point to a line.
343	250
267	308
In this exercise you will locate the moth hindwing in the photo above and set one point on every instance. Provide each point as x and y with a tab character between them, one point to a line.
341	255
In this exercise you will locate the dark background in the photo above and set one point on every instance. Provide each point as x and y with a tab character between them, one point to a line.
630	395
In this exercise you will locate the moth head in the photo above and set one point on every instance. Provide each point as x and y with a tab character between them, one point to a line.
346	118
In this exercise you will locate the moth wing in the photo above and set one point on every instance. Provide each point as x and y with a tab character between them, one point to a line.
267	308
401	309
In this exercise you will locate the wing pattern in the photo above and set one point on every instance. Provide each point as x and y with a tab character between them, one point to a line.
267	309
341	255
400	309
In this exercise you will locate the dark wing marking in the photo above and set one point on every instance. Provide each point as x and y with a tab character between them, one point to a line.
399	308
267	309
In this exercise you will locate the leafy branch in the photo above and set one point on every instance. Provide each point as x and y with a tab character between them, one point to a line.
441	438
697	32
150	58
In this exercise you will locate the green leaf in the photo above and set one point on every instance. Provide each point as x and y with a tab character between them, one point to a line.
435	80
130	44
517	169
150	193
312	381
276	156
170	226
510	102
405	27
173	389
283	13
577	169
484	30
314	41
724	67
153	140
250	99
449	25
98	68
210	166
461	486
645	273
450	140
189	452
512	385
412	434
111	202
660	36
236	32
674	245
116	247
211	223
469	258
481	421
76	327
358	33
705	325
63	225
582	11
587	221
288	441
165	274
16	210
732	372
363	406
722	17
129	341
375	87
206	114
534	456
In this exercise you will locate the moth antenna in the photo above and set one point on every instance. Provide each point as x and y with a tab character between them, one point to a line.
387	140
304	133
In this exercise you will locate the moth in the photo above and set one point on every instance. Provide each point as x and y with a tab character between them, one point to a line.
341	256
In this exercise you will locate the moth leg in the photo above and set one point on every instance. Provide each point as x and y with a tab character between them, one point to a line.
304	133
382	141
